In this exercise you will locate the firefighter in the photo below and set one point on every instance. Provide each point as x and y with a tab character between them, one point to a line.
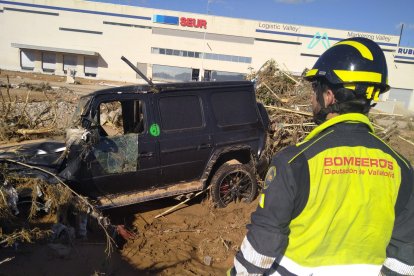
341	202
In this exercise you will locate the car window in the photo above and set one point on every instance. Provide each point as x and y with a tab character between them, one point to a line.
180	112
122	117
110	118
233	108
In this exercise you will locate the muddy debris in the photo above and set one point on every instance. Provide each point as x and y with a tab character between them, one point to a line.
25	118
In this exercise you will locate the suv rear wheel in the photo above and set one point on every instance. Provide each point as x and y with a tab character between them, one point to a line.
233	182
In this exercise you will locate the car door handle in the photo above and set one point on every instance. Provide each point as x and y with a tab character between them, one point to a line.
204	146
146	154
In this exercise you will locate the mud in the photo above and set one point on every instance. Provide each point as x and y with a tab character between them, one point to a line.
196	239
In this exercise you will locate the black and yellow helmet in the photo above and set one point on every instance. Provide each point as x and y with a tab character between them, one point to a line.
351	62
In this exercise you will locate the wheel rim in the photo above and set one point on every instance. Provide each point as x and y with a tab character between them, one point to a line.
235	186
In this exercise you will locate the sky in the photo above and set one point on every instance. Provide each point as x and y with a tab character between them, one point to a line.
374	16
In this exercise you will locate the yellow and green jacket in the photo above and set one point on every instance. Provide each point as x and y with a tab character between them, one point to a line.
339	203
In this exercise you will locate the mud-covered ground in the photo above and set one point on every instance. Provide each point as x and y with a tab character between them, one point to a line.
195	239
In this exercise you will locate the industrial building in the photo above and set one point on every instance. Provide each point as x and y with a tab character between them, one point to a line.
89	38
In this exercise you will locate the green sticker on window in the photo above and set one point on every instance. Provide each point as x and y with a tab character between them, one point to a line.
155	130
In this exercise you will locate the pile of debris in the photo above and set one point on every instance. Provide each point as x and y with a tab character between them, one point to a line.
26	202
287	100
33	208
30	118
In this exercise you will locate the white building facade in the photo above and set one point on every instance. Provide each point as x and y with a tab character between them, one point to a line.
52	36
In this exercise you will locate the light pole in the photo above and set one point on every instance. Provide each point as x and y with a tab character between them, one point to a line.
201	74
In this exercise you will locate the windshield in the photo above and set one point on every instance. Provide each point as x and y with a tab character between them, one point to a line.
80	111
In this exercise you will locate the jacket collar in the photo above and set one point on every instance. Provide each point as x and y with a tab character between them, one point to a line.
349	117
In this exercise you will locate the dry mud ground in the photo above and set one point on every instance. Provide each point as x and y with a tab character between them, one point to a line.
196	239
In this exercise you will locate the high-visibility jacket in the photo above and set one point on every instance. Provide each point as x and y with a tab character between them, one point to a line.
339	203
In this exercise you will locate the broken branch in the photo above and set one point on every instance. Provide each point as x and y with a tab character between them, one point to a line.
408	141
289	110
6	260
274	94
34	131
386	114
179	204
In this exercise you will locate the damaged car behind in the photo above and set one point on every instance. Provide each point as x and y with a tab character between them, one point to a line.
138	143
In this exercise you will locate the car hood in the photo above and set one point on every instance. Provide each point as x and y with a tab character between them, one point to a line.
42	154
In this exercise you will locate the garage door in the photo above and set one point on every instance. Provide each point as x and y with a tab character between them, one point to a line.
48	62
27	59
69	62
91	66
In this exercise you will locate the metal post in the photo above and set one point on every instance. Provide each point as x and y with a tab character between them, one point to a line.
201	73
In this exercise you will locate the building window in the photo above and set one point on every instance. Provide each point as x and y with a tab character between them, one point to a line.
48	62
195	73
27	59
227	76
125	25
31	11
171	73
80	31
91	66
183	53
207	75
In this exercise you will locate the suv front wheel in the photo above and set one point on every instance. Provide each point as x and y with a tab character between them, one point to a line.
233	182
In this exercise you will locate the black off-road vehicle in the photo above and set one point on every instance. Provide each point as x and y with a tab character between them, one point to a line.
138	143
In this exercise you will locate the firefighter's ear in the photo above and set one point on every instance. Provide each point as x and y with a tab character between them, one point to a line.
329	97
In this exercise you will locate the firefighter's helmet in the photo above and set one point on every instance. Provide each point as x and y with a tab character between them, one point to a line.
352	62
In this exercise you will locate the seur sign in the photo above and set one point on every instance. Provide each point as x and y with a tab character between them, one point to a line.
192	22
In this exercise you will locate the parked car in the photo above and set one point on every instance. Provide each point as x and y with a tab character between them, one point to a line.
138	143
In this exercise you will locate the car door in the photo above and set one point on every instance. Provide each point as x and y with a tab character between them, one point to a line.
185	139
125	158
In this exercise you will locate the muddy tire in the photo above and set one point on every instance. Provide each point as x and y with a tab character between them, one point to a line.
232	183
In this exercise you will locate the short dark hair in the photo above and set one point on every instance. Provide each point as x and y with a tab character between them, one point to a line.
348	100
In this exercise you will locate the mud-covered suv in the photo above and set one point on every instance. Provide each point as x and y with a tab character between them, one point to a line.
138	143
